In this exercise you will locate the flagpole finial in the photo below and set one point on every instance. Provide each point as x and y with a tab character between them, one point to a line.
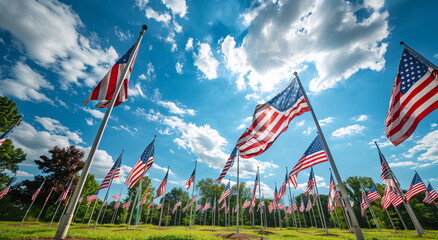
402	43
144	27
296	74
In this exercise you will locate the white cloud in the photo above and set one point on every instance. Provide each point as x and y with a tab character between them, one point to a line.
265	189
301	123
433	125
94	112
121	35
152	14
19	173
205	142
205	61
348	131
288	35
137	91
36	143
27	85
428	147
360	118
178	68
244	124
319	180
402	164
90	121
58	47
125	128
173	108
241	126
141	3
308	131
433	179
381	144
189	44
163	169
178	7
166	131
325	121
54	126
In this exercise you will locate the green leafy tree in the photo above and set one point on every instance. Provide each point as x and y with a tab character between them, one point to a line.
10	157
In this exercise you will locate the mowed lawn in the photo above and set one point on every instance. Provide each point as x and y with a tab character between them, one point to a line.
12	230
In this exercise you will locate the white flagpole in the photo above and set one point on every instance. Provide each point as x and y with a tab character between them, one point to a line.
193	195
370	207
65	221
356	227
50	193
25	215
238	188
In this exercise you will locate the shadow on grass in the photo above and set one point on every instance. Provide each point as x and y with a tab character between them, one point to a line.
171	238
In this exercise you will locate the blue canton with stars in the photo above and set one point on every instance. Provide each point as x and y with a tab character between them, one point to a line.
410	71
416	180
125	57
316	146
148	152
288	97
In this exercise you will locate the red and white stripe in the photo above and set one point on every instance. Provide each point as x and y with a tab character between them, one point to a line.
268	123
116	197
363	205
414	190
186	207
309	161
150	205
117	205
407	110
430	197
246	204
4	191
189	182
126	205
137	172
228	165
111	175
35	195
162	188
373	196
310	185
224	195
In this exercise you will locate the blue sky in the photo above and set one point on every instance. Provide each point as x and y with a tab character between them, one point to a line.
201	69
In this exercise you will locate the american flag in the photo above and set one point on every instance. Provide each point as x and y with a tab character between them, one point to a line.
104	91
194	199
162	188
206	206
93	197
7	133
397	200
314	197
50	193
431	194
224	205
289	210
176	206
417	186
126	205
191	179
142	201
80	199
313	155
309	204
142	166
117	205
198	206
225	193
294	206
254	190
246	204
271	119
4	191
186	207
272	206
114	172
150	205
281	206
363	205
66	191
261	203
228	165
302	205
332	195
414	95
387	198
311	183
116	197
373	195
35	195
159	206
282	190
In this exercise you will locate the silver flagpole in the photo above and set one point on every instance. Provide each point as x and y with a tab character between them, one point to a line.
318	202
161	213
85	215
390	219
290	204
401	218
77	210
238	189
106	195
56	211
67	217
260	199
371	208
116	210
25	215
48	197
92	211
356	228
193	195
411	213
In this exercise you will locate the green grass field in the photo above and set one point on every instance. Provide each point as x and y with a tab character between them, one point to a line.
12	230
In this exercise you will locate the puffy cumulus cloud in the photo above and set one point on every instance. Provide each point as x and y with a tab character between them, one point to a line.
36	143
152	14
179	67
19	173
54	126
383	143
204	142
339	37
173	108
360	118
178	7
325	121
189	44
94	112
319	180
27	84
348	131
403	164
205	61
428	149
162	169
265	189
59	47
